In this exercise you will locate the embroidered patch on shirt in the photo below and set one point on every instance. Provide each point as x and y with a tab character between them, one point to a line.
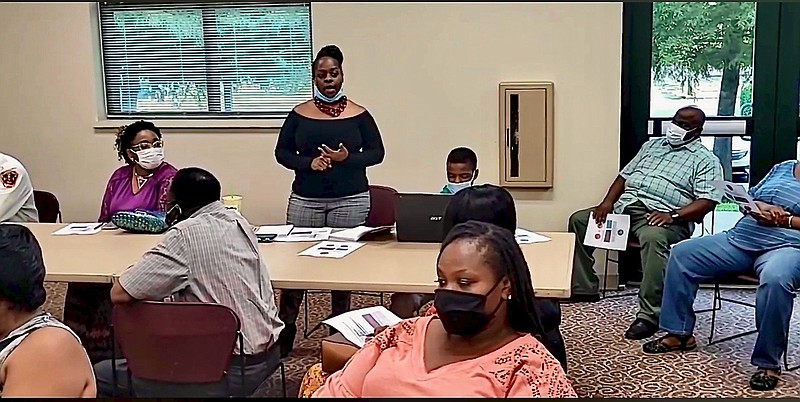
9	178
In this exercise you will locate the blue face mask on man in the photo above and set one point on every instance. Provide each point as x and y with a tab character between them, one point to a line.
319	95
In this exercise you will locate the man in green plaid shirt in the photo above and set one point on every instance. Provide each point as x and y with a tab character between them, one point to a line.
664	189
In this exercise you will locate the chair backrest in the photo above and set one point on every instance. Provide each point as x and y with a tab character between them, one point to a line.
381	206
47	205
183	343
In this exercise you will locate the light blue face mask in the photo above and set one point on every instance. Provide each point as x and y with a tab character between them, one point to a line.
319	95
456	187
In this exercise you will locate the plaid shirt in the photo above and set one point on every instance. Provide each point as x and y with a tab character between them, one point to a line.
666	179
211	257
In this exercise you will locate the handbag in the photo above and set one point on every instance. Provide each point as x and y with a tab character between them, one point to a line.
141	221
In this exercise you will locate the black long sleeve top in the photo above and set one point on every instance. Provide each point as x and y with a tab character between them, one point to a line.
300	139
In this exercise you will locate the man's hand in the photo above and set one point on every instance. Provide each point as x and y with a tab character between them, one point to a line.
601	212
320	163
659	219
337	156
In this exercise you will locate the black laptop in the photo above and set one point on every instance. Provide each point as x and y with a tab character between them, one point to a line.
419	217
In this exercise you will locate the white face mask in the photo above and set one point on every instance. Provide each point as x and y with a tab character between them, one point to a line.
676	134
150	158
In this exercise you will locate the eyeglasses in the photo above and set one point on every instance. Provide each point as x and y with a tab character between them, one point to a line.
146	145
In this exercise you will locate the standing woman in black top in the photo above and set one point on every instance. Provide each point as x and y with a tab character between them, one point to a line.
329	141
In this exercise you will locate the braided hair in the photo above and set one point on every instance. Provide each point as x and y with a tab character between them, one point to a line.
331	51
502	253
126	134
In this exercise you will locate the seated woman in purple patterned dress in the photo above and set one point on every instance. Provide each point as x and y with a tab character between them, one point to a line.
144	180
142	183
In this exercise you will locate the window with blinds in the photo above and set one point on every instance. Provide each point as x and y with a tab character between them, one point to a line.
205	59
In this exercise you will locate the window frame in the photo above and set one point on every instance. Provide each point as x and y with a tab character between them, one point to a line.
193	121
774	124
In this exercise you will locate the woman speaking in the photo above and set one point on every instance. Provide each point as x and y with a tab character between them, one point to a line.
329	141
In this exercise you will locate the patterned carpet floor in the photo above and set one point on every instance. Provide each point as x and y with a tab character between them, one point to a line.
601	362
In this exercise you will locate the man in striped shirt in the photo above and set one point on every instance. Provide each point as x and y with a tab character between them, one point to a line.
665	188
209	255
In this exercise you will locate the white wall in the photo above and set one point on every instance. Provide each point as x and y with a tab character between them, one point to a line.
428	72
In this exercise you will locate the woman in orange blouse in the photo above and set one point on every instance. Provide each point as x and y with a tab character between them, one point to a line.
482	342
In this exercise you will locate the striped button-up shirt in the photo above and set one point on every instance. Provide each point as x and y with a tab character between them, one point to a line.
780	188
212	257
666	179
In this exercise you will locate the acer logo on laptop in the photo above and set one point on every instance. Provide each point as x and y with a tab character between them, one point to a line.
435	218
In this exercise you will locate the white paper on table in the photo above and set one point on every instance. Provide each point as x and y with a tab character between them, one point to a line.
278	230
358	325
356	233
79	229
611	235
331	249
736	193
523	236
305	234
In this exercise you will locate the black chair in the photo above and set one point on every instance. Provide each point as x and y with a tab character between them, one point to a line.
716	304
48	206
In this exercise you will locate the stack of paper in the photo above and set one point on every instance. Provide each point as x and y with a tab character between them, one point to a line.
79	229
357	233
278	230
523	236
298	234
331	249
359	325
611	235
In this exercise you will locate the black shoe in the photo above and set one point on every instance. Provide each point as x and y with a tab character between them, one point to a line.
761	381
286	339
641	329
578	298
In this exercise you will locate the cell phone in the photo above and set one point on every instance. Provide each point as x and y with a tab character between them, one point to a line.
266	238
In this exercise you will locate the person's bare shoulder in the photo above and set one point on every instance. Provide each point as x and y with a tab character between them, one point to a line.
305	108
54	354
357	108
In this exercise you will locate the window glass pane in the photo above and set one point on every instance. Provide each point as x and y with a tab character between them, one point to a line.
702	55
206	59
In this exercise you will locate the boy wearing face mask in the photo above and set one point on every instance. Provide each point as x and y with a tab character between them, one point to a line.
665	189
145	179
462	170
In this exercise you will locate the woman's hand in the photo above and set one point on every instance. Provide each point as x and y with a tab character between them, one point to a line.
320	163
770	215
337	156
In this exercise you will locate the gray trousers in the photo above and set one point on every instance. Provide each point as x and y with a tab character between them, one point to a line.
254	376
344	212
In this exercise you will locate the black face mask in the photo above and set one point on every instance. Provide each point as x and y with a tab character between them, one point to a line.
463	313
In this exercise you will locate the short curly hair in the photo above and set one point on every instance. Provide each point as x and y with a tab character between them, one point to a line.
126	134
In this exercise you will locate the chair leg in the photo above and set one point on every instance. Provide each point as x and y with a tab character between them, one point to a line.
244	363
283	378
306	333
113	362
716	304
605	274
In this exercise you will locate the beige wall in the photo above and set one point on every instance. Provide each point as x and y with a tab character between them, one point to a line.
428	72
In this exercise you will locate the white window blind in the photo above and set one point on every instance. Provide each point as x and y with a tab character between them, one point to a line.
205	59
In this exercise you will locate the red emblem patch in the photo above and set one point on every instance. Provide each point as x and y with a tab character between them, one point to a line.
9	178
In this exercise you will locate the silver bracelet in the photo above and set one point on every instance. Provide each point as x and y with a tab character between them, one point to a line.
790	222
